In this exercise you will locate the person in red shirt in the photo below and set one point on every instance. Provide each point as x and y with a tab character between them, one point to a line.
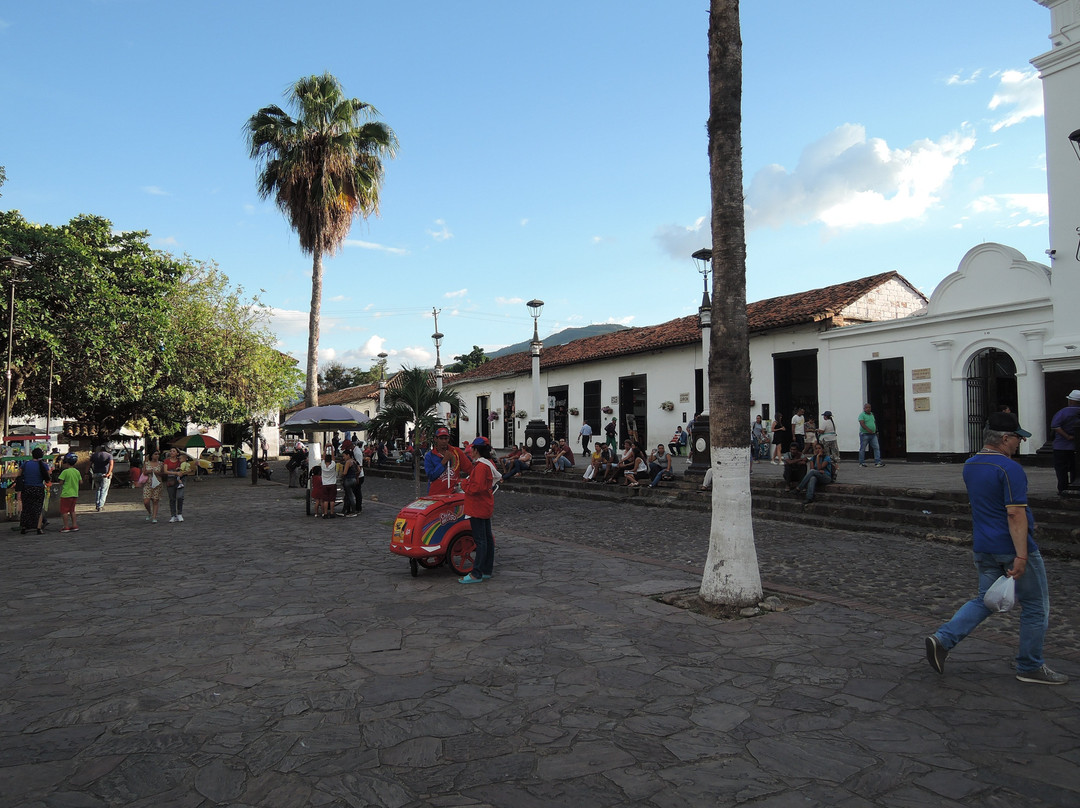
480	507
445	465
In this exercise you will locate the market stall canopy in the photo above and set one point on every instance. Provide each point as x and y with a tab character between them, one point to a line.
197	442
327	417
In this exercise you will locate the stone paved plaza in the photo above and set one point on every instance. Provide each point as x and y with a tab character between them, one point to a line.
251	656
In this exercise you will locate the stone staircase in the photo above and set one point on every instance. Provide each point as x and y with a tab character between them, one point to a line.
916	512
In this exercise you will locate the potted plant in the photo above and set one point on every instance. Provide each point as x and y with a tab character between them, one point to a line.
574	410
607	410
667	405
521	415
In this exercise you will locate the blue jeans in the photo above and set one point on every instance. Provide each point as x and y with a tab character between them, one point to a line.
485	546
871	440
103	484
812	480
1032	595
516	468
562	463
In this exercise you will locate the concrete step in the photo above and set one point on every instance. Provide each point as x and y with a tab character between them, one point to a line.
917	512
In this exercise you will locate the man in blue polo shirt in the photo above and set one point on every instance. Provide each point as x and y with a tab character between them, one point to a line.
1002	527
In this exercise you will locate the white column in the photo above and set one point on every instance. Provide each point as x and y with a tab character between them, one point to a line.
942	387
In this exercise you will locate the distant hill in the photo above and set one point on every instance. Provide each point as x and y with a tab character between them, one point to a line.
561	338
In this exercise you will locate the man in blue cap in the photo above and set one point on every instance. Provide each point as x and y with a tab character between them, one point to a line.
1002	527
445	465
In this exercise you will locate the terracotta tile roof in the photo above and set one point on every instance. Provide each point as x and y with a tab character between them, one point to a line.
815	305
365	391
777	312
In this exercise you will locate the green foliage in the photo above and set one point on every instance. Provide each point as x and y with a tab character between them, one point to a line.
323	168
133	334
412	399
473	359
335	376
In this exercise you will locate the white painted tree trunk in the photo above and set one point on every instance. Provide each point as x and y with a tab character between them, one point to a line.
731	568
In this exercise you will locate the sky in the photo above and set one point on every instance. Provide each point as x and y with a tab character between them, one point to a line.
551	150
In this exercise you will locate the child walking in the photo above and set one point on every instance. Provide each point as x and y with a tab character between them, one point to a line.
69	494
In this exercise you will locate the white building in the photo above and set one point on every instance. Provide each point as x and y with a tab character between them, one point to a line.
999	331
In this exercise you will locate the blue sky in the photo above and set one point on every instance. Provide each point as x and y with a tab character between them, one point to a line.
553	150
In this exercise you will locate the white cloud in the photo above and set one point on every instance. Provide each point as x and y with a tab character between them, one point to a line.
416	356
959	79
845	180
153	190
337	299
619	320
1019	92
167	241
288	322
524	222
679	241
509	301
369	245
458	293
443	233
1020	210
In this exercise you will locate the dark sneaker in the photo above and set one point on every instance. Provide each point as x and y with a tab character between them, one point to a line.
936	653
1042	676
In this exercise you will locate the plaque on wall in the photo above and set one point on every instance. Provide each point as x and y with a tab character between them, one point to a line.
920	387
920	373
922	404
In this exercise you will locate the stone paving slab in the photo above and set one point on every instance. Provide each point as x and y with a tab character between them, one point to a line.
252	656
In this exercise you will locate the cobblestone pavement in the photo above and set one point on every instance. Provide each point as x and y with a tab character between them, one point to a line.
253	656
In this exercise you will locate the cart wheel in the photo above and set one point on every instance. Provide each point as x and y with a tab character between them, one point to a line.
430	562
414	567
307	502
461	553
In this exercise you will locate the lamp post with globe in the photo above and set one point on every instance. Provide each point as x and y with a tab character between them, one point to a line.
700	457
537	434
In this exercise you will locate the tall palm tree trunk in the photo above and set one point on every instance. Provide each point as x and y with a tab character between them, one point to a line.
731	569
311	392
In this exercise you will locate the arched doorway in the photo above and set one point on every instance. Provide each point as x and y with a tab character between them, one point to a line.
991	385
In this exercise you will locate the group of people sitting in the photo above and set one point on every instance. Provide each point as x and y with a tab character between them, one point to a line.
804	472
606	466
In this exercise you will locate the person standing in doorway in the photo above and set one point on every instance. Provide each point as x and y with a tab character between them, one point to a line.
101	466
868	437
585	433
1064	426
611	430
798	428
1002	542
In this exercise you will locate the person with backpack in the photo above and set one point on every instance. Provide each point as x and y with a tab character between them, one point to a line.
1064	426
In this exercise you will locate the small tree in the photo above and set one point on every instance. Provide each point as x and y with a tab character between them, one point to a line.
413	399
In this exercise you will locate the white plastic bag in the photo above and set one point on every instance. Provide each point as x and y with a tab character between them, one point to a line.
1001	595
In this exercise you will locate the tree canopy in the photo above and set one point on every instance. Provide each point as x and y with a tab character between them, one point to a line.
323	168
335	376
132	334
473	359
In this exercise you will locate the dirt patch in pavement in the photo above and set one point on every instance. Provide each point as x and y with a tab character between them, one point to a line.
770	602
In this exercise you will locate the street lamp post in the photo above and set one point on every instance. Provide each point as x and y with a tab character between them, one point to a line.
382	379
700	458
537	434
13	264
437	338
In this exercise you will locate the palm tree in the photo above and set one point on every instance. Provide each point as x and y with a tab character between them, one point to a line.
731	569
323	168
411	398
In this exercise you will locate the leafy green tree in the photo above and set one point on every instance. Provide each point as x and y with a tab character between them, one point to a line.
323	168
473	359
132	334
335	376
412	400
3	177
731	573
